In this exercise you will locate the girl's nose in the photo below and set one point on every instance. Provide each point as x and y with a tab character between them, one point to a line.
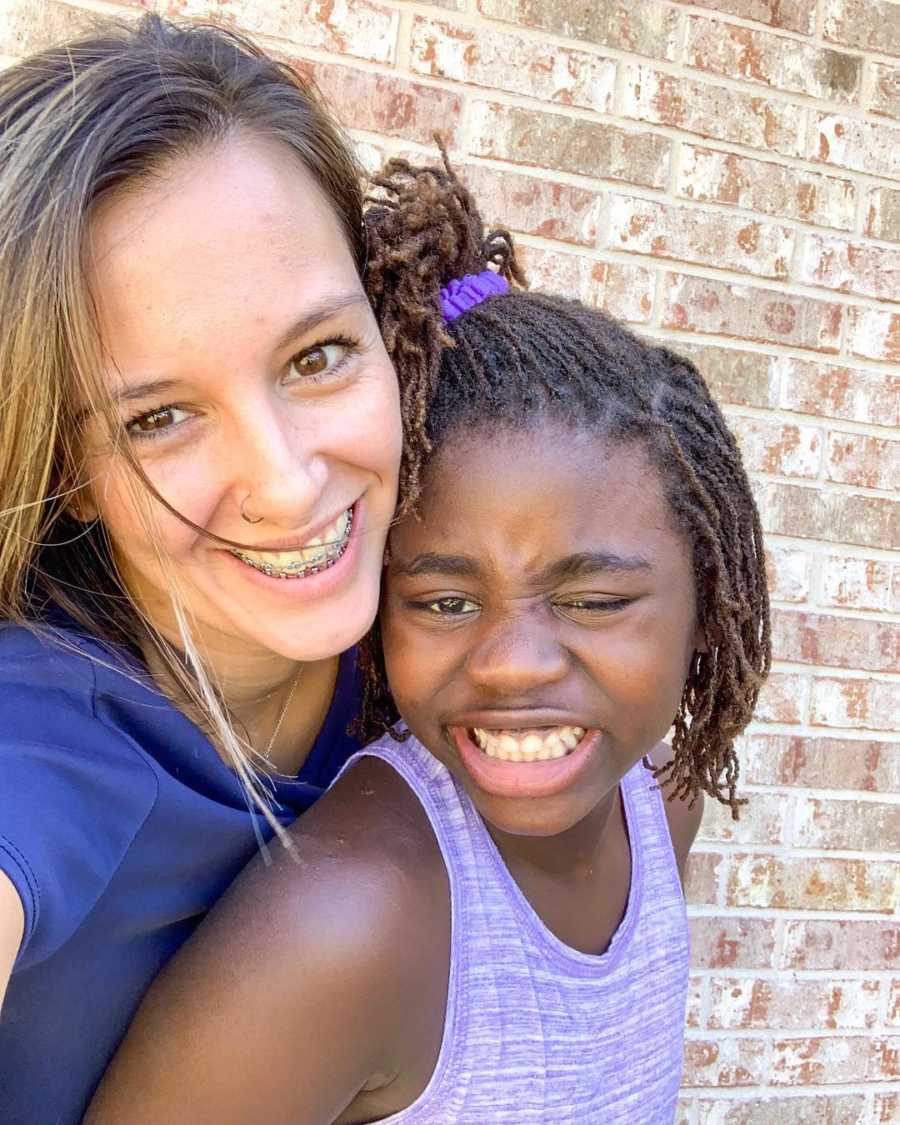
516	656
283	474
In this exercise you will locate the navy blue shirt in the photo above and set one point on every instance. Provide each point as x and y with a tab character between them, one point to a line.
120	826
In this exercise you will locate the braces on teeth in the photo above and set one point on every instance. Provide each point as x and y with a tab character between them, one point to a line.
300	569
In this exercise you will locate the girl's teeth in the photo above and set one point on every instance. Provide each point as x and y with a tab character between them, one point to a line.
528	746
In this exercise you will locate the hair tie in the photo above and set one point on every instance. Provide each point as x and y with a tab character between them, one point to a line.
466	292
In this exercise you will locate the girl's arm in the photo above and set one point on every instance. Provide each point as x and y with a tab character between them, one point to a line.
12	925
299	990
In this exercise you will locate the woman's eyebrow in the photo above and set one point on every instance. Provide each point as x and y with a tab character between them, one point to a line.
326	307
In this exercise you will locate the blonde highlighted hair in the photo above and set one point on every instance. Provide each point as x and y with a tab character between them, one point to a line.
100	115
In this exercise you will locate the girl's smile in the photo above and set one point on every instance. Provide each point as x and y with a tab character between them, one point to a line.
539	619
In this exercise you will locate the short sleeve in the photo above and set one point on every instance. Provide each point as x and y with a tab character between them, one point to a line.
73	794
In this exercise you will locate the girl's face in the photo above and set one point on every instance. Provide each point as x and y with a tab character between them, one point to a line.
539	620
248	372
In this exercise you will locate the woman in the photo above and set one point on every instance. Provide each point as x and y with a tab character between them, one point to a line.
199	451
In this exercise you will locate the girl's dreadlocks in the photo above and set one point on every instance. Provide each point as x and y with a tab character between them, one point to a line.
523	357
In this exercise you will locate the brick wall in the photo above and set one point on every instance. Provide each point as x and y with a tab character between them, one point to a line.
727	176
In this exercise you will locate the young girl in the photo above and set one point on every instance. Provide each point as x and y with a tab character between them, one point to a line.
487	925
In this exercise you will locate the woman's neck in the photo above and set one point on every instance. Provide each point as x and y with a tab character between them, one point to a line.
275	704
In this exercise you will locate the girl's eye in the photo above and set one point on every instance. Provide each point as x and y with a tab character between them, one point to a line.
321	359
595	605
155	422
448	607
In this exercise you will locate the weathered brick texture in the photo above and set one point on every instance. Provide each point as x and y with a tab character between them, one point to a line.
724	175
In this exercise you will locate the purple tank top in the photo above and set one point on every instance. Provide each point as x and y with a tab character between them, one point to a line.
536	1032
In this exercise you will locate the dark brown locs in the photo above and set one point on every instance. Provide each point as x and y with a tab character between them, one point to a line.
523	357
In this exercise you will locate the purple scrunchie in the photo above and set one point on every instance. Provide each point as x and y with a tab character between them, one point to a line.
467	292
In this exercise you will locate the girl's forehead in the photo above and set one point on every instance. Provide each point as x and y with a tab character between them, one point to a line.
542	492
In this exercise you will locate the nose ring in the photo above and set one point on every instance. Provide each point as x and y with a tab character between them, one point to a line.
244	515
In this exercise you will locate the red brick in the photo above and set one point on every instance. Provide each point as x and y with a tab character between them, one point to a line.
711	111
568	144
795	16
799	883
821	763
807	513
842	642
835	1109
863	460
850	267
723	1062
26	27
701	304
855	583
641	27
886	1109
886	90
745	1003
736	377
884	1059
702	878
643	226
788	572
848	142
854	394
728	942
363	28
883	216
893	1012
533	206
770	447
874	333
840	944
707	174
761	822
869	25
485	57
823	822
552	271
694	1002
784	699
624	291
819	1061
771	60
382	104
853	702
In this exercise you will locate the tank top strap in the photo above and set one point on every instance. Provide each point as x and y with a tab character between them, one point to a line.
651	832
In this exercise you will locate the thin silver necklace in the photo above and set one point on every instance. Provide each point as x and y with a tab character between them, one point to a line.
266	754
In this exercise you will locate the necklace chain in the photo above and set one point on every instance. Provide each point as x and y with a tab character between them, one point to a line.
268	750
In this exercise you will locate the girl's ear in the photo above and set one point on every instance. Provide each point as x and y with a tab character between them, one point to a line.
707	637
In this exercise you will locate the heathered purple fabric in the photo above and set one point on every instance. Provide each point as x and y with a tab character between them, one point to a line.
537	1033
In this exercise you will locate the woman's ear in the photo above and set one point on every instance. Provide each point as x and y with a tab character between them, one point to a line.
81	507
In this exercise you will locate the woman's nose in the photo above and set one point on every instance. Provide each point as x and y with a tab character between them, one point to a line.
515	656
282	472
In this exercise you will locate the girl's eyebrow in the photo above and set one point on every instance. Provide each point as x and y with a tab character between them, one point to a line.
454	566
585	564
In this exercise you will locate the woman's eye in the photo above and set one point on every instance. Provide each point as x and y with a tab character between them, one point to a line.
448	607
156	421
320	359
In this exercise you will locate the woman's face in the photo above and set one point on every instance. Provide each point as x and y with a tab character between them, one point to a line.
249	373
